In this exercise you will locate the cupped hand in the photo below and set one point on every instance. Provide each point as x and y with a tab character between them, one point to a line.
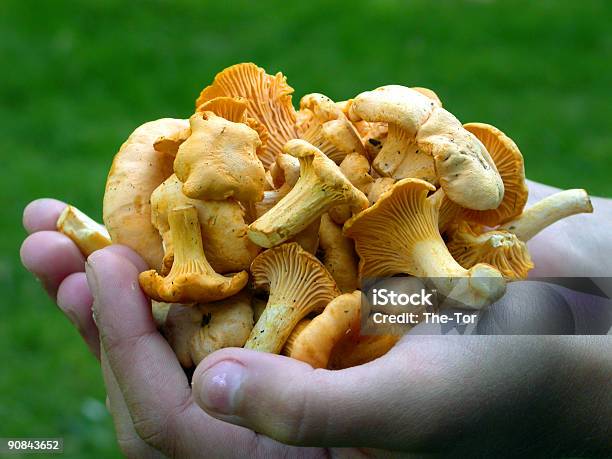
430	393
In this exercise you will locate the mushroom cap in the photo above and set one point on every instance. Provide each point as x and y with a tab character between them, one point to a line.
223	226
231	108
429	93
86	233
378	188
393	104
315	342
323	124
218	160
191	278
136	171
500	249
353	352
356	168
464	167
269	102
509	163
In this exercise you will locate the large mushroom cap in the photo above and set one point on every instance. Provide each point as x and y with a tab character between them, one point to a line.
509	163
465	169
136	171
219	161
269	102
298	284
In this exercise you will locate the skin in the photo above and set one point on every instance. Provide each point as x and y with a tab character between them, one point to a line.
446	395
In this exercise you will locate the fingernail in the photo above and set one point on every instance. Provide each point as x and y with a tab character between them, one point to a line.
221	387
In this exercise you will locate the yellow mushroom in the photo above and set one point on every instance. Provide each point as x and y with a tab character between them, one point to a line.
314	343
426	141
268	98
226	245
399	234
136	171
323	124
191	278
320	187
218	160
378	188
86	233
339	257
298	285
354	351
498	248
195	331
548	211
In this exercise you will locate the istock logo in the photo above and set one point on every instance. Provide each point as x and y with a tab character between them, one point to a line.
385	297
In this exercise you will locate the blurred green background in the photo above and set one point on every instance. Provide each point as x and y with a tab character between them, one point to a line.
78	77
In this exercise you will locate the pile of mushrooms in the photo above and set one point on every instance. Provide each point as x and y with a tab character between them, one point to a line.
260	223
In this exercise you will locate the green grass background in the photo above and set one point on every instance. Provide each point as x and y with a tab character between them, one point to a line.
78	77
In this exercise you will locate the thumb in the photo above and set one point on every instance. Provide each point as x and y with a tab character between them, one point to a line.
379	404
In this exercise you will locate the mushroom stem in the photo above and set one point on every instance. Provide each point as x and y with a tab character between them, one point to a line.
278	319
548	211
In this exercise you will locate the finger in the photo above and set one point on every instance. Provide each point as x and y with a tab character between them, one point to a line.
129	254
42	215
75	300
129	442
51	257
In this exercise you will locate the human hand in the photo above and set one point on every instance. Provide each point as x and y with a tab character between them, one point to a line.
413	399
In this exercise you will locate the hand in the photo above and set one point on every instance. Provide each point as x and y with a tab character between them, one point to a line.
429	393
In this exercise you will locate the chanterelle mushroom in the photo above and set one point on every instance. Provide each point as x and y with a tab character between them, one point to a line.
226	245
195	331
218	160
315	341
191	278
499	248
269	102
136	171
419	127
298	284
321	186
85	232
323	124
548	211
399	234
339	257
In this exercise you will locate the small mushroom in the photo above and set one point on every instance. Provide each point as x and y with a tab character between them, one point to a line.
226	245
191	278
314	343
195	331
86	233
298	285
498	248
339	257
548	211
136	171
323	124
268	98
218	160
321	186
399	234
